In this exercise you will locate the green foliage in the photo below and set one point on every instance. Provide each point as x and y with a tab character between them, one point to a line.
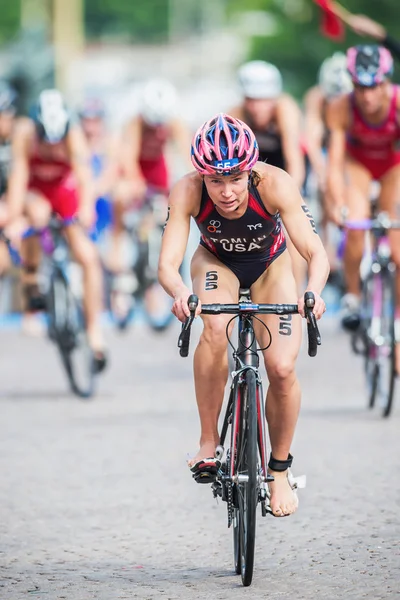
297	46
9	19
135	20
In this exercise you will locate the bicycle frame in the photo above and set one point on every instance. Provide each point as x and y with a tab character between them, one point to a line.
380	263
246	357
375	337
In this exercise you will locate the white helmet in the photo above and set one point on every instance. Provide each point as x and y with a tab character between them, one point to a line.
51	116
333	77
158	102
260	79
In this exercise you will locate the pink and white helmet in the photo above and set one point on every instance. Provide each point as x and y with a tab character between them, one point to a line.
369	64
224	146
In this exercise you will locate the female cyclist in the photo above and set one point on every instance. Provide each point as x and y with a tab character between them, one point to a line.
238	204
365	134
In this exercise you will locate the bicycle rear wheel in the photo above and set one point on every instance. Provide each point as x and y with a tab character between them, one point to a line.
157	303
67	330
246	487
387	347
120	291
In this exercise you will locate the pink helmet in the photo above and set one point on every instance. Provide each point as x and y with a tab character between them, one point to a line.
369	64
223	146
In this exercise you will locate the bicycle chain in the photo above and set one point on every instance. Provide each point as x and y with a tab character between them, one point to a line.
229	491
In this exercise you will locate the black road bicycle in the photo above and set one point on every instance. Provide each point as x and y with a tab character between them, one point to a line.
140	285
242	480
375	337
66	322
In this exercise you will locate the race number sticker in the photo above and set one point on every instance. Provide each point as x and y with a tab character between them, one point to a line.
285	325
211	280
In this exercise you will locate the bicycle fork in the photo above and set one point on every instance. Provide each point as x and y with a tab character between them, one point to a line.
228	478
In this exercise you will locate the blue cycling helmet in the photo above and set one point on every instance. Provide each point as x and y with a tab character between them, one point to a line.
92	108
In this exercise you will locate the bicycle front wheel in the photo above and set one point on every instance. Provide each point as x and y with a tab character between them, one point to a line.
369	293
67	330
386	350
246	486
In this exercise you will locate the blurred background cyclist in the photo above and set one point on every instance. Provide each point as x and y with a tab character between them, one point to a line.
51	174
365	132
104	158
146	165
333	80
8	109
275	118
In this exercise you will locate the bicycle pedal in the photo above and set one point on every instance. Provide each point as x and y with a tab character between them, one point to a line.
264	511
297	483
216	487
269	478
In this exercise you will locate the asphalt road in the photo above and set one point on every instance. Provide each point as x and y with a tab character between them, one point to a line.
96	501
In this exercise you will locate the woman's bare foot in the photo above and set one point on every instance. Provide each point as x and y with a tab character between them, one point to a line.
283	499
207	450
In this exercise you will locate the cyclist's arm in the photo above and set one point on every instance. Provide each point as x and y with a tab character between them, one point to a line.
337	121
182	204
315	130
19	175
363	25
289	123
392	45
182	140
80	163
284	197
131	144
398	104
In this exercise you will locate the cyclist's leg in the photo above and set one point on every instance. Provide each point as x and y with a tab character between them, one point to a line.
65	203
299	265
389	201
123	198
5	262
358	180
86	254
358	206
37	211
212	282
277	285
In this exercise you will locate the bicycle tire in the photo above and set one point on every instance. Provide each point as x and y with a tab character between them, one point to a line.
160	320
370	362
124	319
235	420
246	464
66	329
387	358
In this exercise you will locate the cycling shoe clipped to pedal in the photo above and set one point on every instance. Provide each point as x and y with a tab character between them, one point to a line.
100	361
350	312
35	300
205	470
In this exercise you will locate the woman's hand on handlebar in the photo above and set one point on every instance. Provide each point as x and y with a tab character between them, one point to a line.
180	307
319	306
